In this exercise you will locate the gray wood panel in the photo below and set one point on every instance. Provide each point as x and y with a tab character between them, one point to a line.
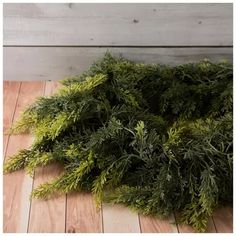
118	24
54	63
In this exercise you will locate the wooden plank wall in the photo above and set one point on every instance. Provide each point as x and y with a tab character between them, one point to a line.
51	41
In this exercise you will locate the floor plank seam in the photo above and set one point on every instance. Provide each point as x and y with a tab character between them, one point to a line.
12	119
32	187
140	228
65	213
214	223
33	178
102	223
176	223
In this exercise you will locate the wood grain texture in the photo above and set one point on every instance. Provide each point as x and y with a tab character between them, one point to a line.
28	93
51	87
17	186
10	95
55	63
5	142
47	216
150	224
118	24
82	214
119	219
223	219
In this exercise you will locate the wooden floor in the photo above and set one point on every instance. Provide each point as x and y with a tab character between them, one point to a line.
74	212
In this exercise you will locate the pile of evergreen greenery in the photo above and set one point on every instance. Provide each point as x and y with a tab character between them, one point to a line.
156	138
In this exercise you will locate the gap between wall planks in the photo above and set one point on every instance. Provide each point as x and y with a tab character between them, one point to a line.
17	186
80	214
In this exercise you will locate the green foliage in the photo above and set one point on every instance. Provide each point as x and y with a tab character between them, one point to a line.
153	137
17	161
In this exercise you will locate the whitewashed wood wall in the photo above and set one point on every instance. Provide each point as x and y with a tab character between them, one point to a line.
51	41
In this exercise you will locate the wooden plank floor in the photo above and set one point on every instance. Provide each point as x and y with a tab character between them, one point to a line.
76	212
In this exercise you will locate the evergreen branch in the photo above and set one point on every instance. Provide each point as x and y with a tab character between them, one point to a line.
155	138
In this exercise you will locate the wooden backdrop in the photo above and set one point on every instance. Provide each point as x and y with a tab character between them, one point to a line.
51	41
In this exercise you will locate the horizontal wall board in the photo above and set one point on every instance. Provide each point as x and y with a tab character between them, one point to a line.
153	24
55	63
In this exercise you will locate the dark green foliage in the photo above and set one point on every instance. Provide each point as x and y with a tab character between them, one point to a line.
153	137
